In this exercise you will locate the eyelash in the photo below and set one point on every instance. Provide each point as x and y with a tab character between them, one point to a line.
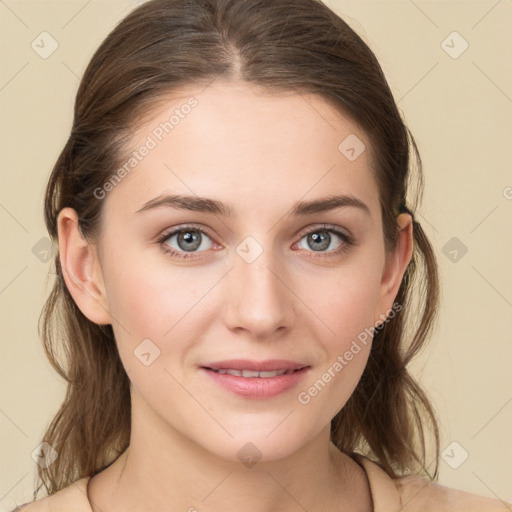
348	241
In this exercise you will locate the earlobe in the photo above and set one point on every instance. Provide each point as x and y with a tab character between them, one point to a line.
81	269
396	265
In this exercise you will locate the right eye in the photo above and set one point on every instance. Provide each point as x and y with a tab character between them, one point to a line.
184	241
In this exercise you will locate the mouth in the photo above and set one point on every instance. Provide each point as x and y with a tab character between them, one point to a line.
254	374
247	365
253	379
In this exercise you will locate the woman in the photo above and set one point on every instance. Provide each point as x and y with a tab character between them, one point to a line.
235	274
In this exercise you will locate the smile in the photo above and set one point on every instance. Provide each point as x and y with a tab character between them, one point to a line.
256	384
252	373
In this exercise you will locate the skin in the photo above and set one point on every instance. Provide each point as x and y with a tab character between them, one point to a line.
258	153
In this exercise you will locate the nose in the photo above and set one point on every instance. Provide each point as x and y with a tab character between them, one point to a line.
259	298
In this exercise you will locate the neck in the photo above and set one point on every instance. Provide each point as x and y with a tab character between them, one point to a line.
165	472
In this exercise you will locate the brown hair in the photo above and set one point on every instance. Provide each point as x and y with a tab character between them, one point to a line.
284	45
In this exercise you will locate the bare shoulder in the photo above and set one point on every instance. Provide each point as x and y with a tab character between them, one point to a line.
71	498
420	494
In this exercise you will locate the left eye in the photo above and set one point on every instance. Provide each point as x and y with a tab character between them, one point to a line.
320	240
188	240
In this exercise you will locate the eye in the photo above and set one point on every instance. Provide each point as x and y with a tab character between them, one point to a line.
184	241
322	239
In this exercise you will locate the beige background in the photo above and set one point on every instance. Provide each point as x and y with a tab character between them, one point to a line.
459	110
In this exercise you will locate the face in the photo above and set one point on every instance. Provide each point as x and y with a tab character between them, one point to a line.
256	276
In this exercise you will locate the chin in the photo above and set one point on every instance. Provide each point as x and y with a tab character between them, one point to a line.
257	445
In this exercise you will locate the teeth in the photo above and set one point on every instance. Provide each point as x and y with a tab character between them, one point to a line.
238	373
251	373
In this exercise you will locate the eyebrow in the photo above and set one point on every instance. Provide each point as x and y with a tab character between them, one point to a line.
206	205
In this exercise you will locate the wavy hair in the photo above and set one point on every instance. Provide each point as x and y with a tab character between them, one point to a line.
298	46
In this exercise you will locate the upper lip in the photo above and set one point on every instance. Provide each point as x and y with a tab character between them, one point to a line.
258	366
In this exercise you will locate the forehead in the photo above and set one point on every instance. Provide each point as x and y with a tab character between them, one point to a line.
245	146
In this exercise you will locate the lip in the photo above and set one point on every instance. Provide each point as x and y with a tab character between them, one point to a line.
258	366
256	387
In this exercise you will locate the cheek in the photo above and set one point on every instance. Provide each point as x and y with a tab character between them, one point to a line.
346	307
345	301
140	300
156	301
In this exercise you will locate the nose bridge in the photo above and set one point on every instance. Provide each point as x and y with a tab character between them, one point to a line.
259	301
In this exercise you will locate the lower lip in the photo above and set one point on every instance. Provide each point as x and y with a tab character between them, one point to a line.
257	387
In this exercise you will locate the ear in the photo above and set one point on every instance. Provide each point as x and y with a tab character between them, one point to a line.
395	267
81	269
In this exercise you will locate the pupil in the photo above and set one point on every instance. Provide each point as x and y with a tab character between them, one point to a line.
191	239
322	239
